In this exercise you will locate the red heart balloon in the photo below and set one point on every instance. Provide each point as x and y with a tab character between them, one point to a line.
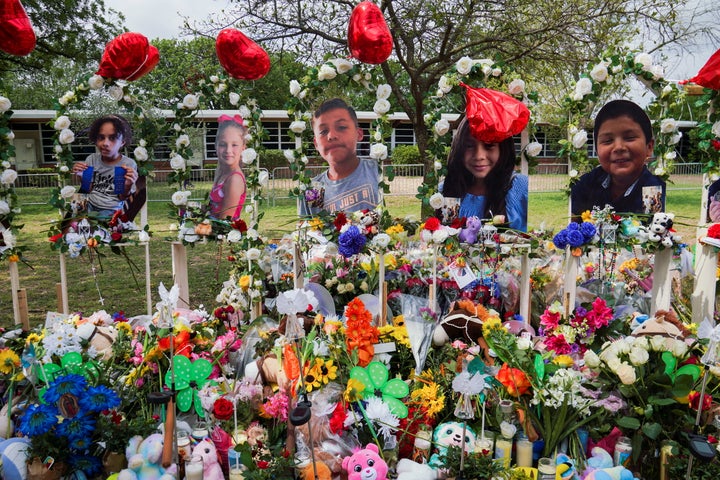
709	74
127	57
241	57
153	57
369	37
494	116
16	33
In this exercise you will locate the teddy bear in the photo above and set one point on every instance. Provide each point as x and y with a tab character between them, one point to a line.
447	434
600	467
143	457
470	233
660	229
366	464
211	466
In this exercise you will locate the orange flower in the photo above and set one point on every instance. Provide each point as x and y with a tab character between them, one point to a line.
514	380
181	343
360	334
291	364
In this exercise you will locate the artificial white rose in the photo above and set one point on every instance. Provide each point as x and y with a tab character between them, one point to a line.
381	240
716	129
234	98
381	107
524	343
252	234
437	165
378	136
220	87
177	127
670	155
289	155
378	151
675	138
678	348
143	236
141	154
444	84
638	356
668	125
326	72
244	111
249	208
645	60
66	136
182	141
249	155
253	254
626	374
487	70
10	135
516	87
62	122
188	234
5	164
67	191
5	104
64	169
304	160
440	235
583	86
263	178
591	359
436	200
342	65
58	148
234	236
442	127
383	91
613	364
599	73
464	65
177	163
116	92
180	198
295	88
69	96
214	78
4	208
533	149
576	96
579	139
8	177
658	72
426	236
659	171
496	72
364	287
657	343
439	93
298	126
573	173
190	101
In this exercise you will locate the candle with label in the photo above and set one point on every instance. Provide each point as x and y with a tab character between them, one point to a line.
524	452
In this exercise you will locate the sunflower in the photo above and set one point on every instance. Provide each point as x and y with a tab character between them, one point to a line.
312	378
35	338
327	371
124	327
9	361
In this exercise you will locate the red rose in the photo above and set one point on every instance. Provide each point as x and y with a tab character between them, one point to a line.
340	220
716	144
432	224
55	237
239	224
262	464
223	409
116	236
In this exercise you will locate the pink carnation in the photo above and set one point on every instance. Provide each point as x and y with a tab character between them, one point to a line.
277	406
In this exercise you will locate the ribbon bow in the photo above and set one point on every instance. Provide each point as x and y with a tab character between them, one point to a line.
710	331
235	118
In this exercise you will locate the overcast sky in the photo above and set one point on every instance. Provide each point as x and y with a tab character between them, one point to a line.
163	19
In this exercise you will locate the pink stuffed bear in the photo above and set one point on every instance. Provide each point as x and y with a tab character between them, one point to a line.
211	466
365	464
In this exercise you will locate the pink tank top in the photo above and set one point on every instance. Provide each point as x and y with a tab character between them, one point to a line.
217	195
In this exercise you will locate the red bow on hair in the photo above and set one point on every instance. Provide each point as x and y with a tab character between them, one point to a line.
235	118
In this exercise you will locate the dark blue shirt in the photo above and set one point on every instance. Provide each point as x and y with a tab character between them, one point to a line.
593	190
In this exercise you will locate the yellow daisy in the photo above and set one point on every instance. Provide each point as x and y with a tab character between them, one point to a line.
124	327
9	361
354	390
326	370
35	338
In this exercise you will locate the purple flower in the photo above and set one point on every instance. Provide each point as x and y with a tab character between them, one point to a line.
311	195
351	242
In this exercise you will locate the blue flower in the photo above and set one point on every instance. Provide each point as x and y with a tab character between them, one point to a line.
588	230
560	239
572	226
80	444
351	241
575	238
38	419
78	426
72	383
88	464
97	399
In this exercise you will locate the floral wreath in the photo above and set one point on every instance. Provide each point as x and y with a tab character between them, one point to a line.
9	206
85	229
193	220
450	97
613	68
359	76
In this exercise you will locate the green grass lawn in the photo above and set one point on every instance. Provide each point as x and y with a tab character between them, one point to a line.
111	277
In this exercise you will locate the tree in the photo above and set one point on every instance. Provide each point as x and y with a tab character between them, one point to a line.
74	30
547	40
